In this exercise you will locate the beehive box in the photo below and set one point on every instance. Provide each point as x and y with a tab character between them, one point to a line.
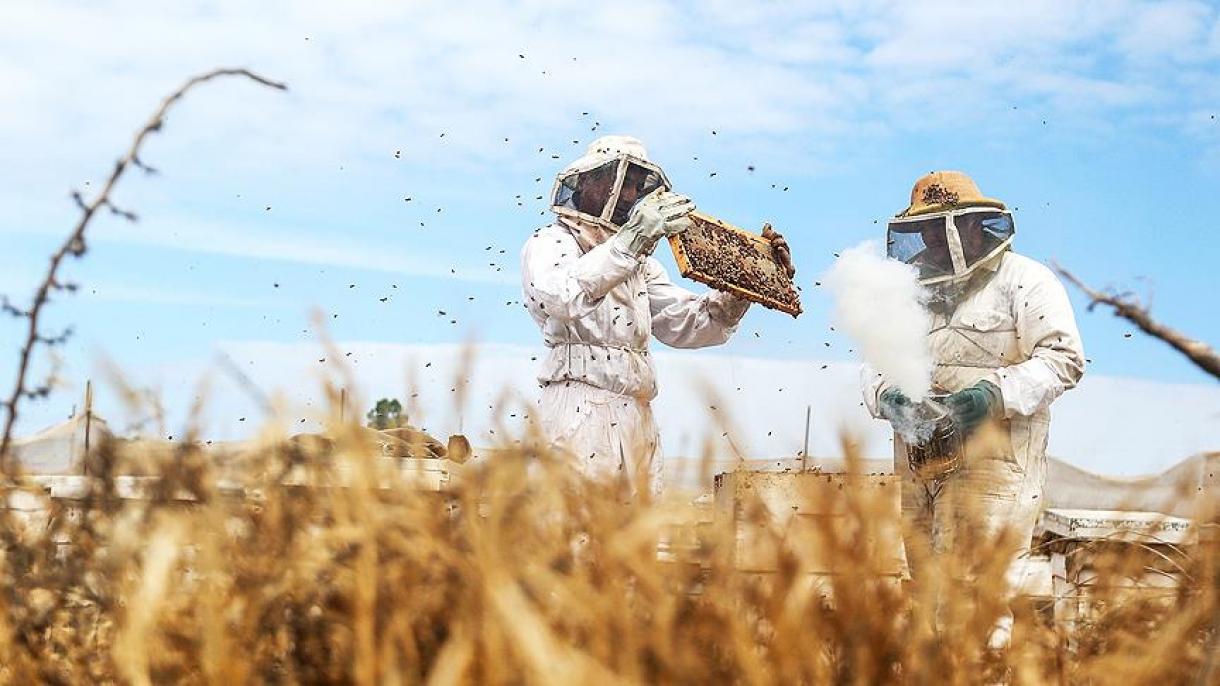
802	511
432	474
729	258
1155	544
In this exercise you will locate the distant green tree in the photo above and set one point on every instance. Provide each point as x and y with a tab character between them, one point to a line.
386	414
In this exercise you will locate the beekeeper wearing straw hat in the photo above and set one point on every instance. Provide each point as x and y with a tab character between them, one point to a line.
599	297
1005	345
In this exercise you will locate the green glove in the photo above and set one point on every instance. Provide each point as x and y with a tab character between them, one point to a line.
972	406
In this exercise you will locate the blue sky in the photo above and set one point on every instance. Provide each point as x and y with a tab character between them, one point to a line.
1097	124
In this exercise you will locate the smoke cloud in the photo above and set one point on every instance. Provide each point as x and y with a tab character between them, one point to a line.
879	304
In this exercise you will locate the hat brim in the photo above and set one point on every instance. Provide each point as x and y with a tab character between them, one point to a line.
921	209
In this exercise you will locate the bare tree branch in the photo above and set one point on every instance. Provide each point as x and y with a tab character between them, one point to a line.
75	246
1129	308
1204	356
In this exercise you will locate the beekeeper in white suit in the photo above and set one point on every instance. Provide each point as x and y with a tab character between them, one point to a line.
1005	345
599	297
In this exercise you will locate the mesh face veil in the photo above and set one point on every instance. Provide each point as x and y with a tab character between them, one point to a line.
949	246
602	189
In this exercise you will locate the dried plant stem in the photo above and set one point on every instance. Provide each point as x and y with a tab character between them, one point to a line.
1127	307
74	246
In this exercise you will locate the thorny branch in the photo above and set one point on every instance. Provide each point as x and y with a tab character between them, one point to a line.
1127	307
75	246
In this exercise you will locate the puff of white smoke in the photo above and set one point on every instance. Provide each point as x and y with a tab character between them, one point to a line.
880	305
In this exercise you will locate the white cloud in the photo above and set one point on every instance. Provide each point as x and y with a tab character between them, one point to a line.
311	245
1172	29
161	296
376	72
20	283
305	246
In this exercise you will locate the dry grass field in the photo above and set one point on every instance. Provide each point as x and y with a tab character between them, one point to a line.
316	564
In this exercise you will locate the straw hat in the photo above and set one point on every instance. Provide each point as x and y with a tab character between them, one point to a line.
946	190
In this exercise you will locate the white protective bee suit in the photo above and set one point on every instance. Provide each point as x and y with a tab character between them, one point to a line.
1008	321
598	306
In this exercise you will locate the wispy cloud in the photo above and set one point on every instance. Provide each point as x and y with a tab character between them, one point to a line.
21	282
305	245
161	296
279	241
372	73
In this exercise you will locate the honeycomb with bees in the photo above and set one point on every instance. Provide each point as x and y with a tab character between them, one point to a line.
728	258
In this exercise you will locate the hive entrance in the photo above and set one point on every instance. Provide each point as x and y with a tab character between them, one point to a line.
728	258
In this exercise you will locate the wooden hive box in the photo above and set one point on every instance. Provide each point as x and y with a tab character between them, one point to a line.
1156	544
800	508
731	259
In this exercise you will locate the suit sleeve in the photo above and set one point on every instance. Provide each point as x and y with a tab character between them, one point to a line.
872	385
1048	338
565	284
682	319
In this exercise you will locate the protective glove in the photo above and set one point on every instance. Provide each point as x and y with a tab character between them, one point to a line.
972	406
894	404
657	215
779	248
904	416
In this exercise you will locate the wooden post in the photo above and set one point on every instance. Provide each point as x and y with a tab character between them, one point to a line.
343	404
88	422
805	451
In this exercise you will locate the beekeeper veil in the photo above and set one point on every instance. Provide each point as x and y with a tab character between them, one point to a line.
949	230
600	188
949	246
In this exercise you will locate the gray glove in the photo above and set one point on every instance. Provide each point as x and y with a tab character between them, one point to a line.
894	405
659	214
909	420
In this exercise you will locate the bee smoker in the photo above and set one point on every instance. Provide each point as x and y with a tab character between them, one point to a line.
941	453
